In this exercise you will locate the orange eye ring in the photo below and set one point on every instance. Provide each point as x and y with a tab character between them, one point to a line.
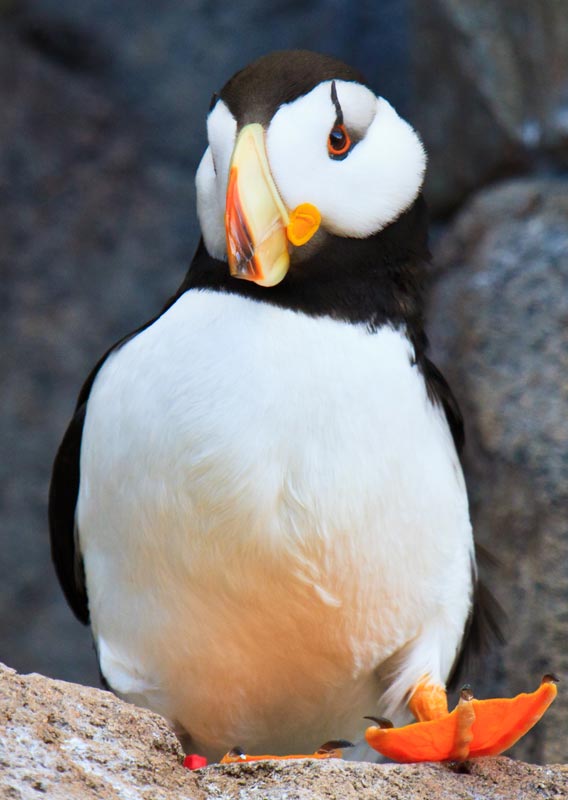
339	142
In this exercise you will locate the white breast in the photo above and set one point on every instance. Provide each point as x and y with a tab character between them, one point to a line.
270	506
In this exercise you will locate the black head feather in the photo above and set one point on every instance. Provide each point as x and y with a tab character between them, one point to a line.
256	92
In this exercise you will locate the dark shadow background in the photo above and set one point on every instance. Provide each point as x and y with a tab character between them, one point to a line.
102	125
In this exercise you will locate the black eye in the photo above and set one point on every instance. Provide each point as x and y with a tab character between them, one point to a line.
338	143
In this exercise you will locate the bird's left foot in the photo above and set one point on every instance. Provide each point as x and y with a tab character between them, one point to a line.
328	750
474	728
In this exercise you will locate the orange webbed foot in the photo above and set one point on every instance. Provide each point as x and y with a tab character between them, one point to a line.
331	749
474	728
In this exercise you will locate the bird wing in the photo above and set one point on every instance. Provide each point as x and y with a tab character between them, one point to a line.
484	623
63	493
440	392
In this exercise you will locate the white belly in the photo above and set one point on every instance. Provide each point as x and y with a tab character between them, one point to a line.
270	506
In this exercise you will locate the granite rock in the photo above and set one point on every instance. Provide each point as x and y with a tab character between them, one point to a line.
499	329
68	742
491	88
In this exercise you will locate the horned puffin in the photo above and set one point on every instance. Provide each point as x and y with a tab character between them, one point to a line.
258	504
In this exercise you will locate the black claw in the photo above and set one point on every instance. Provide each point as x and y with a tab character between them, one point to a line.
550	677
334	744
381	722
236	752
461	767
466	692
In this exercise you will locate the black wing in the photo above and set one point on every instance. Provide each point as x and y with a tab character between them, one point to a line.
440	392
483	626
63	493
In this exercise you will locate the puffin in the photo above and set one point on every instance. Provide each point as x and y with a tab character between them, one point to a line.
259	505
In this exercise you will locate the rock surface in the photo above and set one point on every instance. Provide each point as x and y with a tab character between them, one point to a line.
61	740
69	742
491	90
499	327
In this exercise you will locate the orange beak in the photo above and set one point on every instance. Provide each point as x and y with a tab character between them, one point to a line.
258	226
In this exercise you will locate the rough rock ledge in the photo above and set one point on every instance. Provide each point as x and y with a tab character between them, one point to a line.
64	741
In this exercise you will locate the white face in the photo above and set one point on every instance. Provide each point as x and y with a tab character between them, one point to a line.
357	196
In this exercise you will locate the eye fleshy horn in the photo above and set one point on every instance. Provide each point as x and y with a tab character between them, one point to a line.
339	142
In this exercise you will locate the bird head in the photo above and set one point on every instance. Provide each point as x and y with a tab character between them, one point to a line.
300	150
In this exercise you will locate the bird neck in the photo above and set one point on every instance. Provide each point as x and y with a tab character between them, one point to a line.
374	281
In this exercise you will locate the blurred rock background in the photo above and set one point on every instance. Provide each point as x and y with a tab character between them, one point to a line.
102	108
